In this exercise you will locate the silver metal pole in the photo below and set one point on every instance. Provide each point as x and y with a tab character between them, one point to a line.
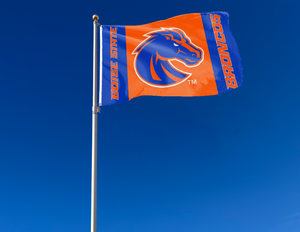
94	130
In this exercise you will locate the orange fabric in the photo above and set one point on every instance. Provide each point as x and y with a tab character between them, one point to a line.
201	81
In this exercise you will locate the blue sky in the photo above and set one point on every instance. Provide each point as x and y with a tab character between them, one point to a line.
211	164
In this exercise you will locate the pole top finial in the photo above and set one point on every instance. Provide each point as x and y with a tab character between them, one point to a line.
95	17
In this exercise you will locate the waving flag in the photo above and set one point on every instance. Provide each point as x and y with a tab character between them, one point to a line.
187	55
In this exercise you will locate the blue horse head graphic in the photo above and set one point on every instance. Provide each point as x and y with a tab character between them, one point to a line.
154	55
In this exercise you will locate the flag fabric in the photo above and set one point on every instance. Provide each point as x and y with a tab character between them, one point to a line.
187	55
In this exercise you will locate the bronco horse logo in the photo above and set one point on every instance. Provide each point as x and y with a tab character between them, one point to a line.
153	57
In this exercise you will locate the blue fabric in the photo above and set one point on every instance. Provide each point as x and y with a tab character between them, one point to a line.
121	60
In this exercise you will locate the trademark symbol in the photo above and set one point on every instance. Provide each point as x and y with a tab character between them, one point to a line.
192	82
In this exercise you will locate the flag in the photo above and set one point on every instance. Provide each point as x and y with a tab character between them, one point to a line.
187	55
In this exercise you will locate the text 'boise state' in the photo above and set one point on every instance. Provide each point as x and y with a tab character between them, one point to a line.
114	64
223	52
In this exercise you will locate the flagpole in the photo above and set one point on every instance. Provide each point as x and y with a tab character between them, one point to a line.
95	110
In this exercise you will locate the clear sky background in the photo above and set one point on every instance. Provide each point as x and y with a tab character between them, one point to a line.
226	163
